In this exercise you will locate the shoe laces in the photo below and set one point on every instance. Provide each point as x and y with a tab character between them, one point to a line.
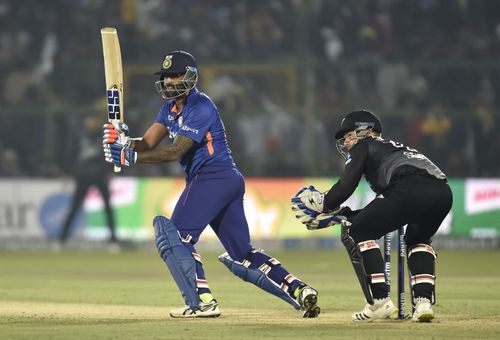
422	299
377	303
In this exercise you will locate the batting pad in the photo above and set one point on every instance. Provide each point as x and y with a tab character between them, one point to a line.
258	278
178	259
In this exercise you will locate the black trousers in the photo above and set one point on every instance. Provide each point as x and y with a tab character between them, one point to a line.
83	183
418	200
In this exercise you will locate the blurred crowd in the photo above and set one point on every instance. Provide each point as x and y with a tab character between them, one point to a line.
282	72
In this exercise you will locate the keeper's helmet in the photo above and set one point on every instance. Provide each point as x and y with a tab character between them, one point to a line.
362	122
174	64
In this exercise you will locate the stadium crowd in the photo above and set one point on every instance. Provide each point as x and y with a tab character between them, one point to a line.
430	69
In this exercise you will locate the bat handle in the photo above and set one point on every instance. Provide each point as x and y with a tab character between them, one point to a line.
117	168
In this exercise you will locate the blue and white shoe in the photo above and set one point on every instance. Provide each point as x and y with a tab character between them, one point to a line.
308	300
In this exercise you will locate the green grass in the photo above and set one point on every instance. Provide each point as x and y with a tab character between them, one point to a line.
76	295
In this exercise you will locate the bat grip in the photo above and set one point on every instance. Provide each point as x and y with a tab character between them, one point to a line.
117	168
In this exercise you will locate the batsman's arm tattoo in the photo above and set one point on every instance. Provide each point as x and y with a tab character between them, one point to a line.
139	145
168	153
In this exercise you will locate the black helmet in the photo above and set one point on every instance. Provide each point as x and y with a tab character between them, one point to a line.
177	63
356	120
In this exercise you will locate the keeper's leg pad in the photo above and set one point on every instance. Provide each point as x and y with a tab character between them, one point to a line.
258	278
373	263
178	259
421	265
356	260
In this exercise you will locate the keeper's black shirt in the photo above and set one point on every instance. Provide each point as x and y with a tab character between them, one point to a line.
380	161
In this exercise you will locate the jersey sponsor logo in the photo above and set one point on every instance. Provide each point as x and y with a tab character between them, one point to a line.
187	128
414	155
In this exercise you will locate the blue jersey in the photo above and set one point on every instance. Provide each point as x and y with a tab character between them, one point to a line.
200	121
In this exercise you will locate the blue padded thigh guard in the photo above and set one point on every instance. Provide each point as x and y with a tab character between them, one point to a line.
178	259
258	278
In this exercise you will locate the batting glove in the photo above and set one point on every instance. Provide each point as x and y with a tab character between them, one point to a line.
111	135
119	154
310	200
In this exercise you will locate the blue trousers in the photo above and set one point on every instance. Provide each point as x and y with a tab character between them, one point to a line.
214	196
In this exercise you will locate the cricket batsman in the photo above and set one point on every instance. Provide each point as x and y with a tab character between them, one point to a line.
213	195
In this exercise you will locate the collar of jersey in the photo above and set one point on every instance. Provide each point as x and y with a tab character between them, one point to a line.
173	108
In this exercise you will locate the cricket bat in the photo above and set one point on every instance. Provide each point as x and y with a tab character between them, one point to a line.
114	77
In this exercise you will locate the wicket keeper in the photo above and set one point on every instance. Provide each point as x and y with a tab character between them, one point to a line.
410	190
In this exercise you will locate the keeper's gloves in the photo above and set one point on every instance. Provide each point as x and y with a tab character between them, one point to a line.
323	220
310	200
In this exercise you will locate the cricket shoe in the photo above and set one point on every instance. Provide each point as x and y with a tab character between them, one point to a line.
308	299
204	310
381	309
423	310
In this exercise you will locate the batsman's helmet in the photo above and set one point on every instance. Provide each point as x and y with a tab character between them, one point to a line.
176	63
358	120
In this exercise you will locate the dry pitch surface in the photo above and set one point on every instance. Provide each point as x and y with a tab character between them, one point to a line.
127	296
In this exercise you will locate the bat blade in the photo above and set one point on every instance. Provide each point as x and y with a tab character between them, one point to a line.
114	76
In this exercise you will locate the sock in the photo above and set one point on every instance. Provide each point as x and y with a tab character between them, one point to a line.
296	292
206	297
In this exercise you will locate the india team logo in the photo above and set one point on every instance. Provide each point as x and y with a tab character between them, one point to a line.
167	62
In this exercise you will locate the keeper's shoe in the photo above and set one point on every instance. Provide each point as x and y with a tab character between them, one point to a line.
308	300
204	310
381	309
423	311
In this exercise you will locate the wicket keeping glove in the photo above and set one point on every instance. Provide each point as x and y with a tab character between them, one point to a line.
310	200
323	220
119	154
111	135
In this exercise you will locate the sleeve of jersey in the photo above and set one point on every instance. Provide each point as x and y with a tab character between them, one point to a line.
162	116
350	178
197	123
